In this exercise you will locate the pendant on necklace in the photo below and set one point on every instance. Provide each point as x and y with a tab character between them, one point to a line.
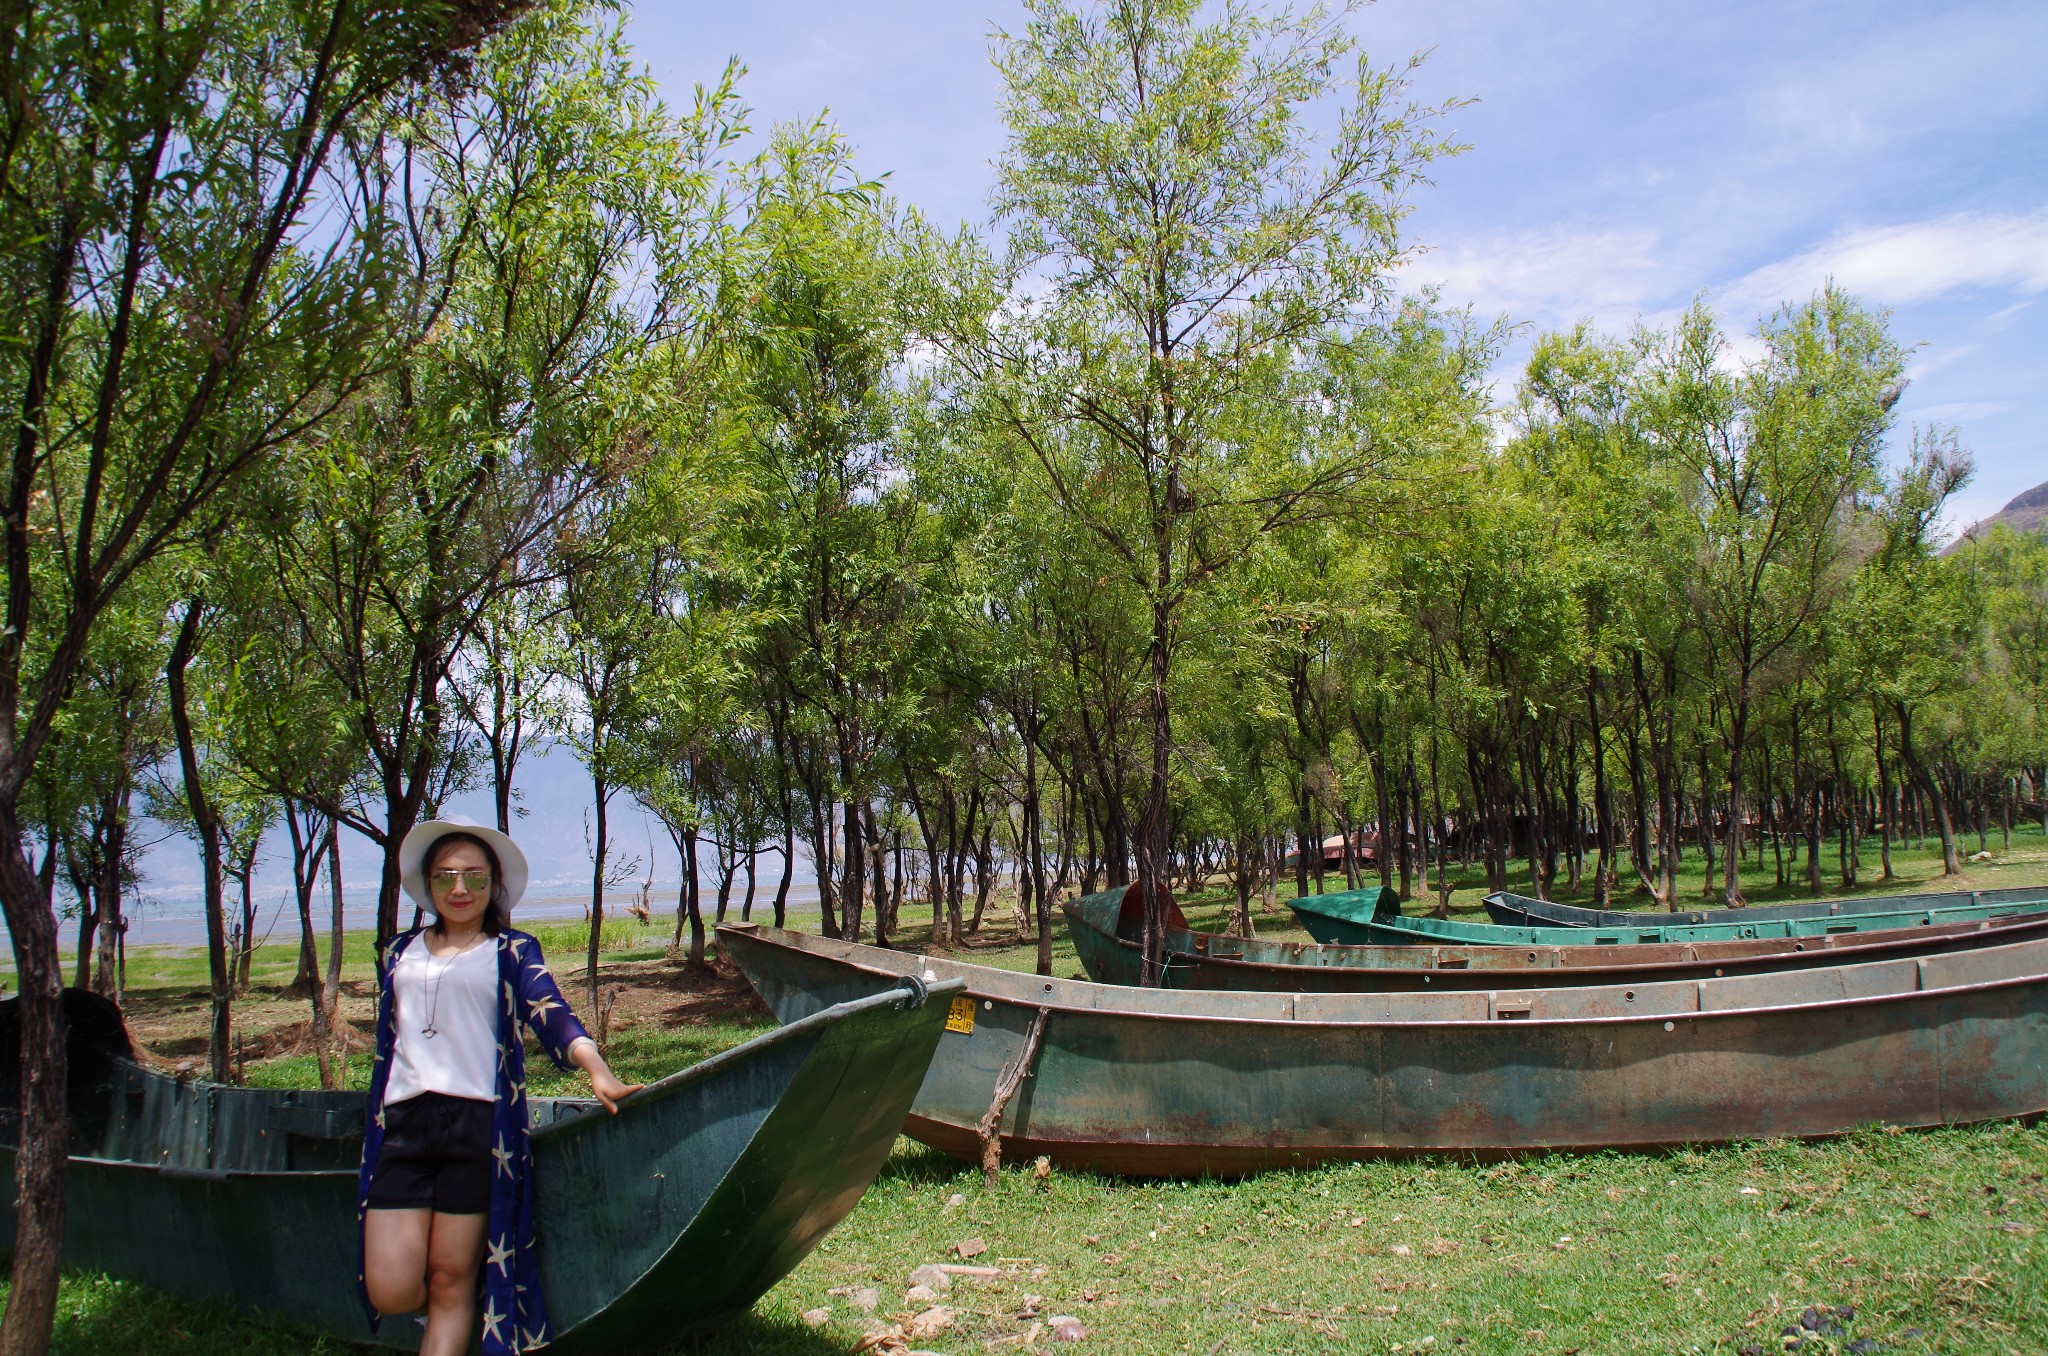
429	1032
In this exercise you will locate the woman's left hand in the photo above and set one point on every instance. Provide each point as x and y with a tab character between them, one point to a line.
586	1056
610	1090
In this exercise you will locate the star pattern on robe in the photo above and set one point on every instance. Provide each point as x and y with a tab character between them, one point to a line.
501	1255
542	1008
534	1339
504	1157
492	1318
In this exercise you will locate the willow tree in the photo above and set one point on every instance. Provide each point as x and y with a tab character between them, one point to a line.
187	287
1774	458
834	554
1198	202
1918	616
2012	574
559	213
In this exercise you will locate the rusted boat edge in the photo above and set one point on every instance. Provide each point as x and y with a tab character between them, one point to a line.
1510	909
1053	986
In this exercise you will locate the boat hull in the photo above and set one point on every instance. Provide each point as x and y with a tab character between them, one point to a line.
1206	960
670	1218
1513	910
1351	919
1145	1082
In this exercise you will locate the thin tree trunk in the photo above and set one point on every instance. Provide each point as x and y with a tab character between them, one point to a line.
1707	834
690	905
600	797
1930	787
336	934
1035	848
728	858
1384	824
1603	809
853	868
113	919
306	858
788	870
1154	832
206	824
984	870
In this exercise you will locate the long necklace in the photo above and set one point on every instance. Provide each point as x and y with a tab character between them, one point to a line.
433	983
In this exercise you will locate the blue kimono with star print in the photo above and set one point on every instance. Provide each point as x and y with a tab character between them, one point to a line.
515	1316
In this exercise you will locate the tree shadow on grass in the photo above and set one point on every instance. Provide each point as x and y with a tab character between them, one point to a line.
916	1164
758	1334
97	1315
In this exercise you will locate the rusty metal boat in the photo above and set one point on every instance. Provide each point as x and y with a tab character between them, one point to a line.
1106	927
1165	1082
1372	917
1513	910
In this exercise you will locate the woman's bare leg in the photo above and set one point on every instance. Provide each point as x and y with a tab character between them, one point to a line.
455	1254
395	1258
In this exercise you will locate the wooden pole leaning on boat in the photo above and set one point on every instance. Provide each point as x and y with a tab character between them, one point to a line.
1013	1075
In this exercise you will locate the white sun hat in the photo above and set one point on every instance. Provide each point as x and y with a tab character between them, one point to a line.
412	858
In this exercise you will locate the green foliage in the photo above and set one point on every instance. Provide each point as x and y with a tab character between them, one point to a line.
1168	536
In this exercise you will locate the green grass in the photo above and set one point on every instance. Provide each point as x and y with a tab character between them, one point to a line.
1707	1251
1931	1238
1610	1253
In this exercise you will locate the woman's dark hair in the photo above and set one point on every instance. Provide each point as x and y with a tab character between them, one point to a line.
496	916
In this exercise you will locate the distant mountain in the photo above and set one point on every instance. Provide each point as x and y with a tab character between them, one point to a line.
2027	512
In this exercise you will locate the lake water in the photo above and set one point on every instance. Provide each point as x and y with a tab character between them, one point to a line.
553	828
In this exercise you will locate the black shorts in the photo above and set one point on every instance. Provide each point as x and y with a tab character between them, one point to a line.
436	1156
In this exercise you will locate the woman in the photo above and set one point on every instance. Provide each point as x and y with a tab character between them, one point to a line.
447	1175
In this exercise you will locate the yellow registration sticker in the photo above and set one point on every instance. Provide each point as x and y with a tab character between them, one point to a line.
960	1017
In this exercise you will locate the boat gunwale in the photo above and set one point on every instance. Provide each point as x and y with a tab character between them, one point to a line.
1493	1024
669	1084
1516	902
659	1090
1425	936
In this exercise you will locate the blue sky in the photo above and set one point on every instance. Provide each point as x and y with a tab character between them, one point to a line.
1625	157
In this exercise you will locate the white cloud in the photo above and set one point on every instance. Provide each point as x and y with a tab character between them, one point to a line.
1934	360
1999	320
1959	411
1917	261
1554	276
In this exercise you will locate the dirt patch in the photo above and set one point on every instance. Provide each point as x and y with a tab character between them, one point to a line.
661	993
172	1026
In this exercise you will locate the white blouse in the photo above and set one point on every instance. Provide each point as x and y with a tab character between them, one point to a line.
447	1020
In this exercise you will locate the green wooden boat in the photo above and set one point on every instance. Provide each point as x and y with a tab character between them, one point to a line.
1360	918
669	1218
1106	929
1166	1082
1515	910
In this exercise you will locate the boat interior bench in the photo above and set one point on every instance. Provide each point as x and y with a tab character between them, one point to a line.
202	1127
193	1126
